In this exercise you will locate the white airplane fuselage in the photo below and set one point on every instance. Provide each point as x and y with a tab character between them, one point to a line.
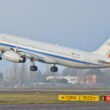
52	54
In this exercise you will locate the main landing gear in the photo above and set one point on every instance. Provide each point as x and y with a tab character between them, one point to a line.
1	52
33	67
0	58
54	69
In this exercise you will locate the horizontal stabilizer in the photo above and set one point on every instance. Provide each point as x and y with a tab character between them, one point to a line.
104	61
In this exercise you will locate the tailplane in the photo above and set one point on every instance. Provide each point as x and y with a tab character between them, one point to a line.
104	50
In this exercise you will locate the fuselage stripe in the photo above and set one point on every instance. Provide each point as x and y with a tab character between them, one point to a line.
47	54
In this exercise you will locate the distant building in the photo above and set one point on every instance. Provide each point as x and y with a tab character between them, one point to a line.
91	79
87	79
70	79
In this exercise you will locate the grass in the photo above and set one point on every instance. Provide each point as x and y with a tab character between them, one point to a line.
25	98
37	98
30	98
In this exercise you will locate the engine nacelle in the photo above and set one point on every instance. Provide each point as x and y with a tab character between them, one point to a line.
14	57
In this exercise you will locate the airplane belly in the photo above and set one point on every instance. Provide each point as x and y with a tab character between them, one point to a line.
70	63
73	64
4	48
1	48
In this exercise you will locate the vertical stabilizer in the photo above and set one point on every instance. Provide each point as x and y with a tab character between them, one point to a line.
104	50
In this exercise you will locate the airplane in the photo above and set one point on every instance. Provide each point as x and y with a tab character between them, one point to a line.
17	49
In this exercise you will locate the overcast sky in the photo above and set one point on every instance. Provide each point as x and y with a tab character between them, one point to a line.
81	24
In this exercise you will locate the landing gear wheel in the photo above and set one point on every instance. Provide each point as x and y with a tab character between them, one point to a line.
1	52
0	58
54	69
33	68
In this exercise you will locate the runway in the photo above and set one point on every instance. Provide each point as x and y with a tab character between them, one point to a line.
74	106
29	94
57	91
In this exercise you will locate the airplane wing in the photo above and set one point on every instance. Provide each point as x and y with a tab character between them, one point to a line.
37	57
30	56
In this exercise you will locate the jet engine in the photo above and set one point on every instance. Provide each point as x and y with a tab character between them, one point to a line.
14	57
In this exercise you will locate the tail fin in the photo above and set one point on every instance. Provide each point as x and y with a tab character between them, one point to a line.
104	50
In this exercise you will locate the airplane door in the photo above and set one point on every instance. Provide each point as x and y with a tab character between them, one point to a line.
75	56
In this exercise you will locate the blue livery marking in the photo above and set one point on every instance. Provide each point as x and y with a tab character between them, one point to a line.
47	54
